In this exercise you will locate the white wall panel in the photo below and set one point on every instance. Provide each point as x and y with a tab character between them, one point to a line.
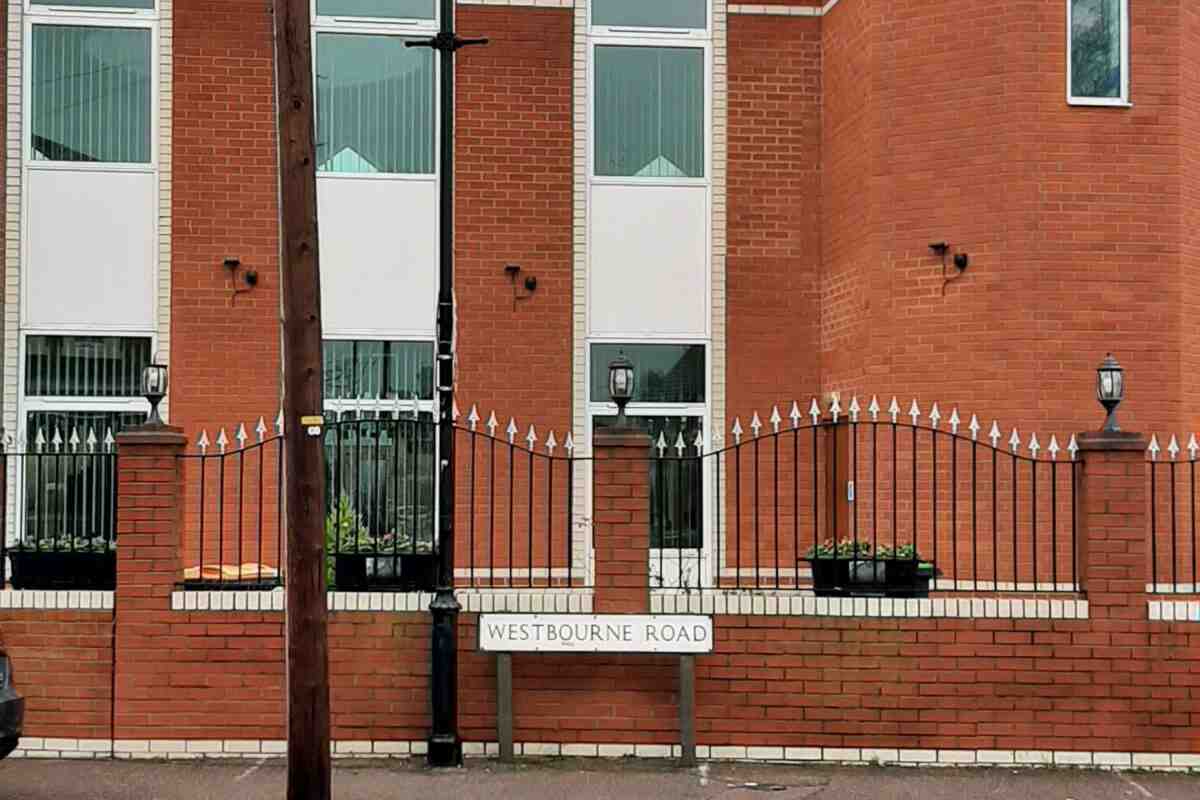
378	256
92	248
648	272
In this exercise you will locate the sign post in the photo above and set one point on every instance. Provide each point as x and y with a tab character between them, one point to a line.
685	635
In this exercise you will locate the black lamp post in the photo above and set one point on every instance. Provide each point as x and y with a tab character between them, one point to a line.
445	745
620	385
154	389
1110	391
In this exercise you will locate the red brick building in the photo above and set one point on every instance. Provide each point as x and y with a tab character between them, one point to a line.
740	197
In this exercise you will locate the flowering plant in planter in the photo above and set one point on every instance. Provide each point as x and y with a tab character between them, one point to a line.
357	560
64	562
856	567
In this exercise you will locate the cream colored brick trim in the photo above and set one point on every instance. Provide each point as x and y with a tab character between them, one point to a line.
12	245
166	100
778	11
783	11
804	604
1173	610
582	534
556	601
45	600
1172	588
161	749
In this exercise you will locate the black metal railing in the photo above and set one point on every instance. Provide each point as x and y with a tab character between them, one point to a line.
882	505
515	516
1173	553
381	514
516	513
233	524
65	525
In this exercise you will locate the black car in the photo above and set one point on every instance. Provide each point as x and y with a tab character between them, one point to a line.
12	707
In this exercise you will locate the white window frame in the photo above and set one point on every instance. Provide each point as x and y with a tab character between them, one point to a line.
684	38
27	404
399	28
639	30
147	19
667	557
1113	102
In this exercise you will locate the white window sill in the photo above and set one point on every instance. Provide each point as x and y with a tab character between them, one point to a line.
1087	102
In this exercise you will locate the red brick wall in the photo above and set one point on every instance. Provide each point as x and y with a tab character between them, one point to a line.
854	288
1098	685
1068	213
513	206
774	260
1189	121
62	664
225	350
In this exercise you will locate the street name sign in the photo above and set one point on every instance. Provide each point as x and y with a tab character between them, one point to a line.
595	633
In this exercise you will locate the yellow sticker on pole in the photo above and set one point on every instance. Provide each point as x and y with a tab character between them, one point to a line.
312	420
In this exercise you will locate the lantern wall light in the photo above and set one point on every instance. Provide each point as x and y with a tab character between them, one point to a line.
620	384
154	388
1110	391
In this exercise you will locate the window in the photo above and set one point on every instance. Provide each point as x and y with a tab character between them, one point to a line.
1098	57
376	107
682	14
85	4
649	99
649	112
80	392
378	370
91	85
663	373
380	444
378	9
669	405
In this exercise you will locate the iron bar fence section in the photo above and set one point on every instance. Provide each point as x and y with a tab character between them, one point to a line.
880	506
64	531
1173	553
516	519
233	533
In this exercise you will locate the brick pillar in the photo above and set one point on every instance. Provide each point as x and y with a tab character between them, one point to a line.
1111	534
621	522
150	506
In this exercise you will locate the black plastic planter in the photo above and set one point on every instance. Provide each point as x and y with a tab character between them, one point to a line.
411	572
838	577
33	569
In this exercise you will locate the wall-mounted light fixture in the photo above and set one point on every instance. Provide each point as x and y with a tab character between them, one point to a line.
961	262
154	388
248	277
620	384
513	271
1110	390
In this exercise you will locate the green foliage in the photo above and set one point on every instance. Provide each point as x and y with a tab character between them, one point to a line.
66	543
862	549
344	533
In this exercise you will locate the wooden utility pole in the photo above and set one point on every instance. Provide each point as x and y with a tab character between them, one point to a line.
307	642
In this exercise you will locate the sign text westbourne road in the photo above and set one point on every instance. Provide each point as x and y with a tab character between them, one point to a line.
587	633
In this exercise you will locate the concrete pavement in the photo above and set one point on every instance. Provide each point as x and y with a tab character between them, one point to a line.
577	780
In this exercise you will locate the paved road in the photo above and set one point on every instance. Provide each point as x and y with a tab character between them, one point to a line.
576	780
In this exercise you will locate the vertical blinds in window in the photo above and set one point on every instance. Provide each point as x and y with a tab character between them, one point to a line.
375	105
649	114
90	94
85	366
